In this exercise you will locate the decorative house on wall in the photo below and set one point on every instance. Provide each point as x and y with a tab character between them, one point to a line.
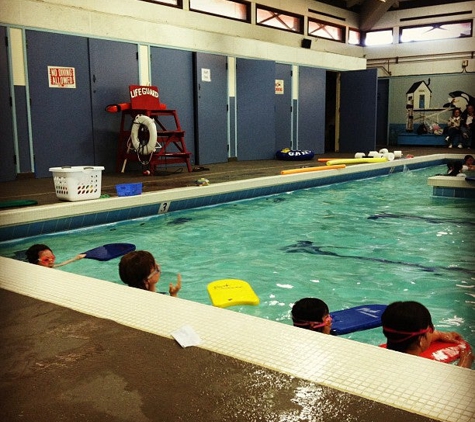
419	94
417	97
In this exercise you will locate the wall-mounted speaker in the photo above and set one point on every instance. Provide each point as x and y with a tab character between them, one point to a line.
306	43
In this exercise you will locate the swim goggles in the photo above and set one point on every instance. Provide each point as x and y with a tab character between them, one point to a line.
313	324
47	259
409	334
155	271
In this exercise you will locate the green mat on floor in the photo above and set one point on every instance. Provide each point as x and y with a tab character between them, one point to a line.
18	203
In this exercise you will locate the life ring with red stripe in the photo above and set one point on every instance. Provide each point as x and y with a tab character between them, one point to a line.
144	134
443	351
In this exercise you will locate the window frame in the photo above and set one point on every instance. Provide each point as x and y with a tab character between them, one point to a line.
363	41
350	29
438	24
334	25
300	19
245	3
178	5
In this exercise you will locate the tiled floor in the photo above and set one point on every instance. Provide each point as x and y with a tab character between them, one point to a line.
343	379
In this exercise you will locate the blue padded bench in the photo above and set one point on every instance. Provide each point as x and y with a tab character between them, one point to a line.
415	139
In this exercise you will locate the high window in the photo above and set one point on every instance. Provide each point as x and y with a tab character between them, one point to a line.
436	31
279	19
326	30
233	9
383	37
354	37
178	3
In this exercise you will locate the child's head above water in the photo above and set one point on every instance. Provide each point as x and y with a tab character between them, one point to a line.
41	255
312	314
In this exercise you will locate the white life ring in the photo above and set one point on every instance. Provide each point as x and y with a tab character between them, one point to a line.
144	125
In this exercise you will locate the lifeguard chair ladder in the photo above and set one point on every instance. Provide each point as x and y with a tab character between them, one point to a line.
171	147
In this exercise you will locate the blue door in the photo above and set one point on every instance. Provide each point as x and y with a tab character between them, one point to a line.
311	109
255	80
358	102
283	106
114	66
60	117
172	72
7	169
211	108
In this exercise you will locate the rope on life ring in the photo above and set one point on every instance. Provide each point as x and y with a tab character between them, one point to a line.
144	134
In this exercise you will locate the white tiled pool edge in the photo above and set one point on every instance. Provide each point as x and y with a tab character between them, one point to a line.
436	390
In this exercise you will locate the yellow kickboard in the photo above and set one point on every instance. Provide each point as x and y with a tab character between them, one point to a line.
231	292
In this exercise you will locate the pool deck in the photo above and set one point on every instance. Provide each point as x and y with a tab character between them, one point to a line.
42	190
63	359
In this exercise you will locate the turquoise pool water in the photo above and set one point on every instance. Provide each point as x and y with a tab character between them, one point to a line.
371	241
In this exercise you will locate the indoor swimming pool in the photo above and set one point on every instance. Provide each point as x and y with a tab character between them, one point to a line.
368	241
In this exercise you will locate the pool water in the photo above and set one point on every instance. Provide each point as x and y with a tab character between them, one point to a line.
370	241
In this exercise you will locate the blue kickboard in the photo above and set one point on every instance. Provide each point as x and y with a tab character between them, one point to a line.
358	318
109	251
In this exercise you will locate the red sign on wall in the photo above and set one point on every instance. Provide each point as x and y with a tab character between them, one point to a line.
61	77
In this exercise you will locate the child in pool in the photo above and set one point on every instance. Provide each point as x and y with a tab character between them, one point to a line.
41	254
312	314
455	169
409	329
468	163
140	270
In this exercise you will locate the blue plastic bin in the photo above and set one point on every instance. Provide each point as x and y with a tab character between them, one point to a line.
129	189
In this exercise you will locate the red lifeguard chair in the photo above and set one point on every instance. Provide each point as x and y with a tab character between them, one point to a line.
149	132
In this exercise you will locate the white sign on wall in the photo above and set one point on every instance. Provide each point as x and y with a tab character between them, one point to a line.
61	77
206	75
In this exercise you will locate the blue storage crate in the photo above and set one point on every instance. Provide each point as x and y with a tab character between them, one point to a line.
129	189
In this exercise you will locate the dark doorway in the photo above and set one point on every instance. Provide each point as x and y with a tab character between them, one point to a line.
358	92
382	112
330	111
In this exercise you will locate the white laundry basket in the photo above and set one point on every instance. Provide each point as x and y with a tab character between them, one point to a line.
77	183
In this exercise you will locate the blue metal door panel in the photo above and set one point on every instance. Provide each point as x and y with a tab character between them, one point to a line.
21	110
7	167
114	67
172	72
283	106
311	112
358	101
211	108
61	117
255	109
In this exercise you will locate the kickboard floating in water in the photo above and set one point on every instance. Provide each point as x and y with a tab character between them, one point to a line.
358	318
231	292
443	351
109	251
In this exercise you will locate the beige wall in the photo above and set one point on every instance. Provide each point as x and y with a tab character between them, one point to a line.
147	23
152	24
